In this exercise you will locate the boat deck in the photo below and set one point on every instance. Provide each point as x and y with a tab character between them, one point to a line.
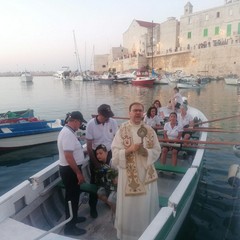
103	227
99	228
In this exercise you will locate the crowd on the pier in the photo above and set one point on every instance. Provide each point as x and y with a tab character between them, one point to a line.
121	161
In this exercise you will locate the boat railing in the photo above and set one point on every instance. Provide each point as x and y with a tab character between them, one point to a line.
16	199
159	222
161	226
46	179
184	189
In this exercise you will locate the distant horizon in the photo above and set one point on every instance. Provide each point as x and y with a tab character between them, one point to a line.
39	34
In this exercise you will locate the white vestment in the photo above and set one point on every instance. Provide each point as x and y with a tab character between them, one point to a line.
134	212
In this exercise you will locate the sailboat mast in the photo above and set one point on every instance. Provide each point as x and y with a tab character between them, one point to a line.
85	57
76	53
152	45
92	59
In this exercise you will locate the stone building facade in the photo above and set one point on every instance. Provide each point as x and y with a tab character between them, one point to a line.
206	42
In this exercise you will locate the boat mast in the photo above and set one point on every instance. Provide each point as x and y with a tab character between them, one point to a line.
92	59
152	46
76	54
85	58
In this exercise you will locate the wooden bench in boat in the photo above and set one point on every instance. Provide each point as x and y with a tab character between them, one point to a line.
88	188
92	188
84	187
170	168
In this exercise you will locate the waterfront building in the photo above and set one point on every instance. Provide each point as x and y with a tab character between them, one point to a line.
205	42
211	27
101	63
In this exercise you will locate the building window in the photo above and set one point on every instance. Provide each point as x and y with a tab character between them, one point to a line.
205	32
189	20
229	30
189	35
217	31
218	15
238	28
206	17
230	12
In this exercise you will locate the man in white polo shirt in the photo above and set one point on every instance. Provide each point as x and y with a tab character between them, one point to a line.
71	158
100	130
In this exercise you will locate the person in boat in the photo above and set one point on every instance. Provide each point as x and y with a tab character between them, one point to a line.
135	148
160	113
185	120
176	101
106	178
71	158
172	130
152	119
99	130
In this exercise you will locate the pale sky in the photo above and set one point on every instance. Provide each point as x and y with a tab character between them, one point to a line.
38	34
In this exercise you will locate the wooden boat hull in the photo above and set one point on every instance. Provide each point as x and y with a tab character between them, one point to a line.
170	218
35	198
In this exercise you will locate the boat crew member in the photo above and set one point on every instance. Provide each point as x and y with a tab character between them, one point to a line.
172	130
152	119
185	120
135	149
176	101
100	130
71	158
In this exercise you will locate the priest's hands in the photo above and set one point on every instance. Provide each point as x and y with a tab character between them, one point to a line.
137	147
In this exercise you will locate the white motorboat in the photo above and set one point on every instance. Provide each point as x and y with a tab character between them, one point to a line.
63	74
124	77
189	85
35	208
107	78
76	77
232	80
24	134
162	80
26	76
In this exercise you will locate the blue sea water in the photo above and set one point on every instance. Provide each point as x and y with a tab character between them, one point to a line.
215	211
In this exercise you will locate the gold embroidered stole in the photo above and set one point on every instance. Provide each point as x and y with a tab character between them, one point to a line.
134	185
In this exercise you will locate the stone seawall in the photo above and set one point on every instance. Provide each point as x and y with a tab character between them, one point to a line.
215	61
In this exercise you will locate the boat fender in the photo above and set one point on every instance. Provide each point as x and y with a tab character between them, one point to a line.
234	175
236	150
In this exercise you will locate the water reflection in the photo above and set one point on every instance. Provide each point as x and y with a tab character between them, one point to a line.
238	90
23	155
27	85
